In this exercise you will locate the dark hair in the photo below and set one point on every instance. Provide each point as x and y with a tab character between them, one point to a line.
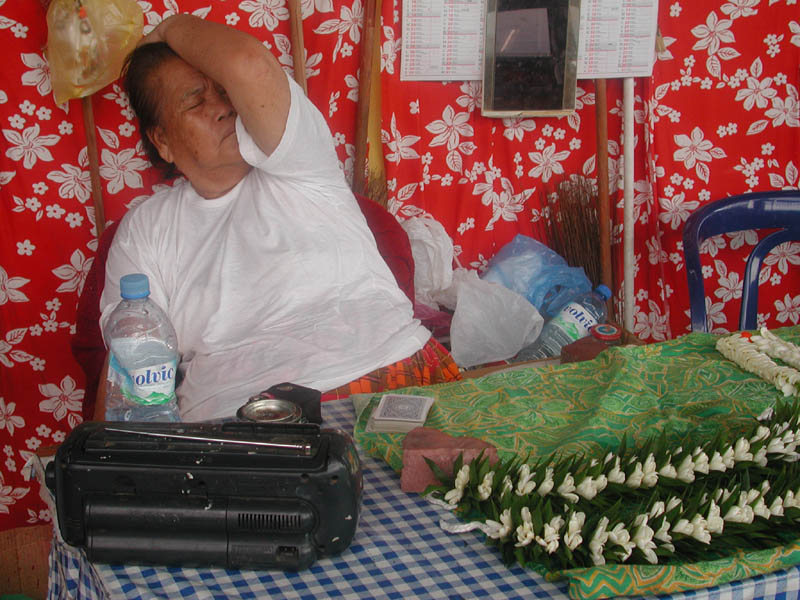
138	81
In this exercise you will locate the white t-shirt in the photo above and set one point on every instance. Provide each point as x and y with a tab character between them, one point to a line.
278	280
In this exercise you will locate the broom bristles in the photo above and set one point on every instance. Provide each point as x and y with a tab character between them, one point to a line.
573	228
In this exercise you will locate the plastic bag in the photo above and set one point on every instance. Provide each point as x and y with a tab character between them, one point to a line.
491	322
87	42
533	270
432	250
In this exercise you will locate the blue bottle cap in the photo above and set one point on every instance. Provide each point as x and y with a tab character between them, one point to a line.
603	291
134	285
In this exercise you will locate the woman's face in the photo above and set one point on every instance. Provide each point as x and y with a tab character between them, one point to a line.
196	129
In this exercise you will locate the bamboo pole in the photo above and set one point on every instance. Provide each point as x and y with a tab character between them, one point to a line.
298	45
368	46
94	165
376	176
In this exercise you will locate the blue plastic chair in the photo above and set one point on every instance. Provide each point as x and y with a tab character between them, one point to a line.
778	210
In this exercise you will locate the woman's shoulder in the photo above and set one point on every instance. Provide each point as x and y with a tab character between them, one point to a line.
161	192
163	199
147	214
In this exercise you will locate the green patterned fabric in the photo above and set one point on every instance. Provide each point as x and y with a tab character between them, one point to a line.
612	581
683	388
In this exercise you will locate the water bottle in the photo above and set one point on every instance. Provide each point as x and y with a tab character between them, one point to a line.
573	321
143	357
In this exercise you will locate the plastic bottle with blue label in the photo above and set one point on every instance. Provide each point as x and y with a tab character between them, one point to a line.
573	322
143	357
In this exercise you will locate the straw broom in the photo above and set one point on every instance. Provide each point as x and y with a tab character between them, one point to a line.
573	228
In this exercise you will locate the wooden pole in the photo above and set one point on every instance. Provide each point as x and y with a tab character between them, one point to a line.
94	164
298	45
628	303
603	205
376	175
371	39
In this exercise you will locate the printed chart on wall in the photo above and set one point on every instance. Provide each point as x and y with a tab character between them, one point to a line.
443	39
617	38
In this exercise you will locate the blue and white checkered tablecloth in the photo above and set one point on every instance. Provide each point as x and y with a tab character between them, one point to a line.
399	552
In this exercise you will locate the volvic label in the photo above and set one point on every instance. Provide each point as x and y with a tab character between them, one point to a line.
575	321
147	386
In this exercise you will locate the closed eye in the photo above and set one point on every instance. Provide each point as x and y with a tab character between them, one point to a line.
193	98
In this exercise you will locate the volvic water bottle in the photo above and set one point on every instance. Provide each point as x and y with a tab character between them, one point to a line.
143	357
572	322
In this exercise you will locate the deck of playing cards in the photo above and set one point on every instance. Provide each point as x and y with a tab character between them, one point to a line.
399	413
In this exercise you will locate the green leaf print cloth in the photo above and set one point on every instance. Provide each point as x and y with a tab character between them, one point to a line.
684	388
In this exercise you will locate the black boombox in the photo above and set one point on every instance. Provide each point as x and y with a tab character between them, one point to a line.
236	495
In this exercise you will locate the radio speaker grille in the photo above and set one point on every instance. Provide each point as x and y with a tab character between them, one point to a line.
269	521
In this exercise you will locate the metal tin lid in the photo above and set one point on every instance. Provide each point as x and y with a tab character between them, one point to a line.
266	409
606	332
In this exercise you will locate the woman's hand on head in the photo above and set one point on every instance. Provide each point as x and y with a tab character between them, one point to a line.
252	77
158	34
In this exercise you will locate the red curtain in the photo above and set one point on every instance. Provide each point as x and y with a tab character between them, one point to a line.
719	116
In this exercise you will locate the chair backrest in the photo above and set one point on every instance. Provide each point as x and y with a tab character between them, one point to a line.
392	241
87	343
779	210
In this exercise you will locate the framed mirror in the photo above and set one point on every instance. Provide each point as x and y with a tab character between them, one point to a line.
530	57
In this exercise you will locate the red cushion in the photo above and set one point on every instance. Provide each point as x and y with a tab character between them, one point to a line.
392	241
87	343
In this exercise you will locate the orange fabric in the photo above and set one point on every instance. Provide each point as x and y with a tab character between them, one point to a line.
432	364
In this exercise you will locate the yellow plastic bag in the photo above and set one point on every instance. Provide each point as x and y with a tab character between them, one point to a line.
87	42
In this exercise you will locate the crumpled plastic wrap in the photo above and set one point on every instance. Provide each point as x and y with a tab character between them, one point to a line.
490	322
432	250
537	272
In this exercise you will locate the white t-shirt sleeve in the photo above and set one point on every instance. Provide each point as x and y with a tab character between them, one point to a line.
306	151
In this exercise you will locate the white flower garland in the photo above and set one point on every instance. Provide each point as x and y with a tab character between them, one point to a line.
577	512
754	353
653	505
776	347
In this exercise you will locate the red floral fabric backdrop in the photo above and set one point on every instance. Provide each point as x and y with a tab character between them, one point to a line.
718	117
723	118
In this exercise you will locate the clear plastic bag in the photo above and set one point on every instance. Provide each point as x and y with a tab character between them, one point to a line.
491	322
432	250
87	42
536	272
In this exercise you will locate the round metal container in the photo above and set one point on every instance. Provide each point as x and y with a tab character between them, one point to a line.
266	409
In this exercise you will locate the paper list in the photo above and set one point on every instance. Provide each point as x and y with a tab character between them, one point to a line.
442	40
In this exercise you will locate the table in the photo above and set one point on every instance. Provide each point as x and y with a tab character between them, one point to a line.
399	551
